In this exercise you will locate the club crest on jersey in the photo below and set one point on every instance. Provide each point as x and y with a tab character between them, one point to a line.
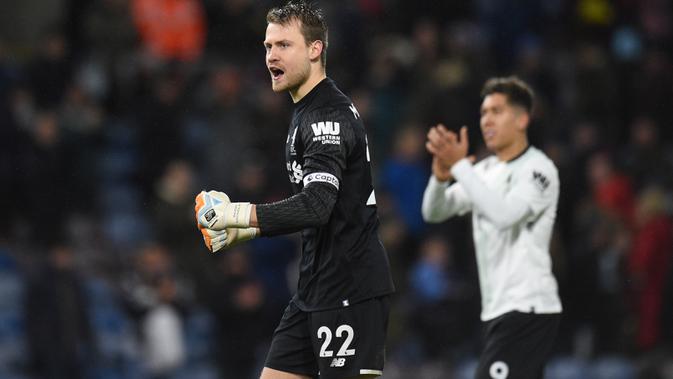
541	180
295	172
326	132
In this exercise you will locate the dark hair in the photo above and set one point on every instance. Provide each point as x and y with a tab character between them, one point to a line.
311	21
517	91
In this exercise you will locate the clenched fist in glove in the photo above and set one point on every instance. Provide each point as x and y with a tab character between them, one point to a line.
216	240
215	211
222	223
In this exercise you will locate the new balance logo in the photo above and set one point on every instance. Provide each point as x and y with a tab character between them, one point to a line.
327	127
338	362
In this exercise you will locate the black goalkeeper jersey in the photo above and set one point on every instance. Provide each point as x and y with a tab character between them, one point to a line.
343	261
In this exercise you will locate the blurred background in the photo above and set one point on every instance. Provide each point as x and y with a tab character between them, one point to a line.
115	113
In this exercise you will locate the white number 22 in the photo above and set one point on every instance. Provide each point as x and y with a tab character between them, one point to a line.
344	351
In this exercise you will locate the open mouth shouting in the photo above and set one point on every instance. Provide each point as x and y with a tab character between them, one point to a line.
276	73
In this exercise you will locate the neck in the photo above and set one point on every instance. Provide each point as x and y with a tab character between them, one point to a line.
513	150
299	92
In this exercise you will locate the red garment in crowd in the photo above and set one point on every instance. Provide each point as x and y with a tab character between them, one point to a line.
649	263
171	29
616	196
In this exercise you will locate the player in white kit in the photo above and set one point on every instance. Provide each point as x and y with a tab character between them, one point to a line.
513	196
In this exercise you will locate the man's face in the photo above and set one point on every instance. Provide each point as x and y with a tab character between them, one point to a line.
501	123
287	56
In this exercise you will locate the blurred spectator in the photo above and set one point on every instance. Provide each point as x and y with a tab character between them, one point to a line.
667	310
229	114
405	174
652	82
175	226
173	208
171	29
442	305
50	71
232	26
612	190
644	157
162	332
109	29
142	283
44	160
596	90
595	290
159	300
80	119
243	320
60	338
160	118
649	262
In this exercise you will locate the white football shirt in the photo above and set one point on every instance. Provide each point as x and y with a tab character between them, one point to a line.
513	207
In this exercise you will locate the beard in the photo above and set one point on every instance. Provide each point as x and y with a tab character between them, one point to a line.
292	80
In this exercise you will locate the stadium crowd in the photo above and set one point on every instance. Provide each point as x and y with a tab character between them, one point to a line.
116	113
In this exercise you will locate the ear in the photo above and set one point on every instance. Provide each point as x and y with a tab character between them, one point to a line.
315	49
523	119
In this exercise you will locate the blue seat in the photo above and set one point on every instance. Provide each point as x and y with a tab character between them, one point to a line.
12	339
199	331
567	368
613	367
11	290
198	371
466	369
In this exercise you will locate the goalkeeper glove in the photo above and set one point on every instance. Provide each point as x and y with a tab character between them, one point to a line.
216	240
215	211
236	235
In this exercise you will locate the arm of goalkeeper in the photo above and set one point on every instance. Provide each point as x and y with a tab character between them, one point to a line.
217	240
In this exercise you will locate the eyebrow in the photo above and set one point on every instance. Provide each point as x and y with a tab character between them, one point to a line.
287	41
482	109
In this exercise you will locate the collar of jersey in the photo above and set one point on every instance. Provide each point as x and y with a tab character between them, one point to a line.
520	154
308	98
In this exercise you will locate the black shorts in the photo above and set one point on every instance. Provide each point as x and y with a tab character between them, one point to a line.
517	345
333	344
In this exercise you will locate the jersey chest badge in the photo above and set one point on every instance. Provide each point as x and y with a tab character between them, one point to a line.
295	172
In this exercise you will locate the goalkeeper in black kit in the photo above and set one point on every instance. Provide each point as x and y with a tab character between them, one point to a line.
335	325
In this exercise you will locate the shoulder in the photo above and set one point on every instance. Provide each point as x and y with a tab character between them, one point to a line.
335	117
538	167
537	159
334	103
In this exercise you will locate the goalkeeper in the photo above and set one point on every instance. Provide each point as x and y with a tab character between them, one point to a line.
335	325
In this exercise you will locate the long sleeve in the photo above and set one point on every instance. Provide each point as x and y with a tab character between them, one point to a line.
441	201
311	207
501	211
